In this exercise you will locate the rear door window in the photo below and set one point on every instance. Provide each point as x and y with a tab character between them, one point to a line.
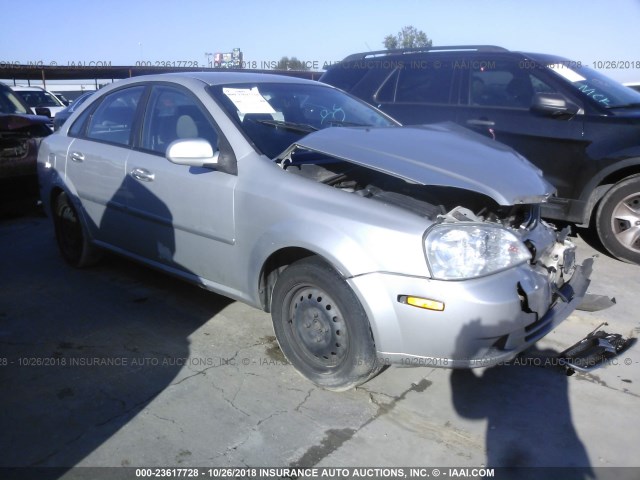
112	121
419	81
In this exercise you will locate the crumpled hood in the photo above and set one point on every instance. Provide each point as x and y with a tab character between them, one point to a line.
32	125
440	154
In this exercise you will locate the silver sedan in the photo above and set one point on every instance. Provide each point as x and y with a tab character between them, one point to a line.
369	243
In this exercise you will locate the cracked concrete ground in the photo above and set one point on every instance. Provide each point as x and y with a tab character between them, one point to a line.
119	365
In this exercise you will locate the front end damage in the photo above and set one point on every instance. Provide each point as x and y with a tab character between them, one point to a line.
462	317
20	137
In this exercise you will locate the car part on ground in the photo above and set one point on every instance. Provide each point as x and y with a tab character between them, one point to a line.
580	127
595	303
369	243
594	351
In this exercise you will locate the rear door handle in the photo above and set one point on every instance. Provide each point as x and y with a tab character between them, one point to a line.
143	175
77	157
477	122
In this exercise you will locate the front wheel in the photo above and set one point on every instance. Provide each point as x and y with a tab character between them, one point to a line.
72	240
321	326
618	220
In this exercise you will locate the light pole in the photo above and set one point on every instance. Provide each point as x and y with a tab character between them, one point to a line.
208	55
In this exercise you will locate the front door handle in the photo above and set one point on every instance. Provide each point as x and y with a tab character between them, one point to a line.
142	175
77	157
481	122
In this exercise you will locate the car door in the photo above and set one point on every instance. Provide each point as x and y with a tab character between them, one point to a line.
96	162
496	96
179	211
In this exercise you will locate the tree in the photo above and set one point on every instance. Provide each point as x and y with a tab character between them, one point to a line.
408	37
292	63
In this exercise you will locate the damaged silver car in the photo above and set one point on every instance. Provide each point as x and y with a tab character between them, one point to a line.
368	242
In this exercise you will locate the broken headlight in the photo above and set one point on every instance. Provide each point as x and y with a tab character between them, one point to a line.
456	252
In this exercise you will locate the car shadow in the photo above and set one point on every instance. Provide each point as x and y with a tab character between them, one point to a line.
528	415
84	351
590	237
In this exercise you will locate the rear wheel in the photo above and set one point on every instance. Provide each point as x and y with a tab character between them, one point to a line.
321	326
618	220
72	240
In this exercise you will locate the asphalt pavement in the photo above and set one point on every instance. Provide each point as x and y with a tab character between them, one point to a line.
118	365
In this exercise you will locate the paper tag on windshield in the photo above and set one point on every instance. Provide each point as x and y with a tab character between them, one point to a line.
248	100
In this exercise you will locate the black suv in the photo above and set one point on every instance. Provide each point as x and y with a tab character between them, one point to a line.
580	127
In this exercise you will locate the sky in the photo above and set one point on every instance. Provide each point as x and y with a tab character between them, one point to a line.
598	33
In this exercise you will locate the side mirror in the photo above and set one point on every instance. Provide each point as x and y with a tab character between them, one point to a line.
553	105
44	111
194	152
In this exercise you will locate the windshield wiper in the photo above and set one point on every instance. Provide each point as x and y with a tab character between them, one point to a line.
297	127
343	123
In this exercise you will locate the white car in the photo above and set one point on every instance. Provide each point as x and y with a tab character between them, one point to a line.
38	97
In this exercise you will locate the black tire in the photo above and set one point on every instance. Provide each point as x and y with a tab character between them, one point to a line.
618	220
72	239
321	326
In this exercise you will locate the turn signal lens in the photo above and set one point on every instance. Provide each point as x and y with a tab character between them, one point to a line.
420	302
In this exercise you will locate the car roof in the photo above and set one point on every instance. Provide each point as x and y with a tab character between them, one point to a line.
546	58
24	88
222	78
448	50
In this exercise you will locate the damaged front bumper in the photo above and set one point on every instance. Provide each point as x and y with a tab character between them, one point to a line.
485	321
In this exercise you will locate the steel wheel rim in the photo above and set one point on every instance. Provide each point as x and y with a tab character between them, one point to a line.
625	222
317	327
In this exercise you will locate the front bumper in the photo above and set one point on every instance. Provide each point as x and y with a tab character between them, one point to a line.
485	320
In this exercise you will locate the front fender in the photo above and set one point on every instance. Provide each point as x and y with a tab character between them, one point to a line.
345	254
598	185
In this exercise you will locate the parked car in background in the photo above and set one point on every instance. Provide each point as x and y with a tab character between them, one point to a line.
580	127
62	115
65	101
20	135
37	97
368	242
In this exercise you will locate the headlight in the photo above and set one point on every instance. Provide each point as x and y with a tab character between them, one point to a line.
456	251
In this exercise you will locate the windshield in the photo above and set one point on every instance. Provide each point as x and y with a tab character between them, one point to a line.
599	88
275	115
9	103
39	98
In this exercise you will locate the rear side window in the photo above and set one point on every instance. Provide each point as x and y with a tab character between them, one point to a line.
112	121
344	76
419	82
78	127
